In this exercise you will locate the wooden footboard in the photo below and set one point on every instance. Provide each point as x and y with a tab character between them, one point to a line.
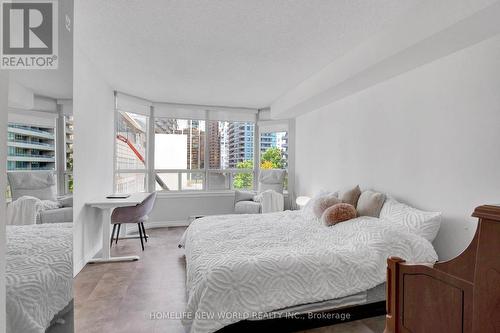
459	295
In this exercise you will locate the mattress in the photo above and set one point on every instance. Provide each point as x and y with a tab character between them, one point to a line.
39	275
242	266
373	295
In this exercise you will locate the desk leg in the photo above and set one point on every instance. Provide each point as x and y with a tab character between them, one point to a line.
106	236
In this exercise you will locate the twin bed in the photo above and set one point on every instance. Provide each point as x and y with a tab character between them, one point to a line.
39	275
255	267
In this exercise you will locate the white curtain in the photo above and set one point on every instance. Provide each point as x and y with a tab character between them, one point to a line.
127	103
182	111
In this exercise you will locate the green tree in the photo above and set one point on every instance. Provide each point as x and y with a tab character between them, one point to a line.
243	180
274	157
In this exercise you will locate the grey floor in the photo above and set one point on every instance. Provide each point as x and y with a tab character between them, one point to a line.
119	297
66	327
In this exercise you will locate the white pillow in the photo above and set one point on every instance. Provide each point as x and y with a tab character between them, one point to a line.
419	222
308	210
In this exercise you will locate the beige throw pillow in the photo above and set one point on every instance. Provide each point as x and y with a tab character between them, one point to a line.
370	203
351	196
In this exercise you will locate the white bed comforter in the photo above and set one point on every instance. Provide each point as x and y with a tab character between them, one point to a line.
239	266
39	275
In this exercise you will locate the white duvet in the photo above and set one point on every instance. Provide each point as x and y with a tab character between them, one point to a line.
240	266
39	275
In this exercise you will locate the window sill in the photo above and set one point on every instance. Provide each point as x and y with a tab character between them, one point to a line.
194	194
198	194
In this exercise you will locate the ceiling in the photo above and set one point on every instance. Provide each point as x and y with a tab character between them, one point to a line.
244	53
55	83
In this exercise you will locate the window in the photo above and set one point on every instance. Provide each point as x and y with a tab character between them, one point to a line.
68	138
274	151
130	151
231	155
30	147
179	150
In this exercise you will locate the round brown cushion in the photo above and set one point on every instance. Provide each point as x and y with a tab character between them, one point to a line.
338	213
322	203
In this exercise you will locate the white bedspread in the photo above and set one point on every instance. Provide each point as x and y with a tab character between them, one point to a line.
39	275
242	265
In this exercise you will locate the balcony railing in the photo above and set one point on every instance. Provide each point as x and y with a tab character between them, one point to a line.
31	155
10	168
29	128
32	143
21	132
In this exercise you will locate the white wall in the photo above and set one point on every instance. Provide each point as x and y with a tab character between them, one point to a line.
4	88
430	137
176	209
93	107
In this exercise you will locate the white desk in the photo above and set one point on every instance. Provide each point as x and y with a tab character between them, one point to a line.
107	206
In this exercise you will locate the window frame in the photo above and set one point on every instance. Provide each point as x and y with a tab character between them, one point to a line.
206	170
61	171
274	126
145	170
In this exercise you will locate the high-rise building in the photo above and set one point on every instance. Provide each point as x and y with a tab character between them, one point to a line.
240	142
30	147
131	132
267	140
282	144
195	144
165	125
130	151
224	144
194	131
214	145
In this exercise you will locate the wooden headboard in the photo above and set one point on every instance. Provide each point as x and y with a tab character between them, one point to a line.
461	295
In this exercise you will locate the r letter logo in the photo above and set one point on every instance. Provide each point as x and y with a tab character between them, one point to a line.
29	35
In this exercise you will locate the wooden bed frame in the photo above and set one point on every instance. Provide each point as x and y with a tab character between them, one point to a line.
459	295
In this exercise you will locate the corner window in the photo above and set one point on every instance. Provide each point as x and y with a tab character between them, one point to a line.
191	148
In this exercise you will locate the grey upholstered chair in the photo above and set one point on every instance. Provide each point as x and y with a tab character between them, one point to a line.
136	214
273	179
41	185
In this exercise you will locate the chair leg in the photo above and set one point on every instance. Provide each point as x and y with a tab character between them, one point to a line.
144	232
140	235
118	233
112	235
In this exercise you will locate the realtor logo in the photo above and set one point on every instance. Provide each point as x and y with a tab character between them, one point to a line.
29	34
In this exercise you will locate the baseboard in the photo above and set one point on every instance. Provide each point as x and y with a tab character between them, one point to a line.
165	224
88	256
160	224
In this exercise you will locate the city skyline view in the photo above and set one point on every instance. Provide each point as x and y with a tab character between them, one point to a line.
180	145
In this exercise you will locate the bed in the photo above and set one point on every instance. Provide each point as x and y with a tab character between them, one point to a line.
245	267
39	275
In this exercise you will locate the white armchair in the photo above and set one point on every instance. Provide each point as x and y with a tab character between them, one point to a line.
268	180
41	185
